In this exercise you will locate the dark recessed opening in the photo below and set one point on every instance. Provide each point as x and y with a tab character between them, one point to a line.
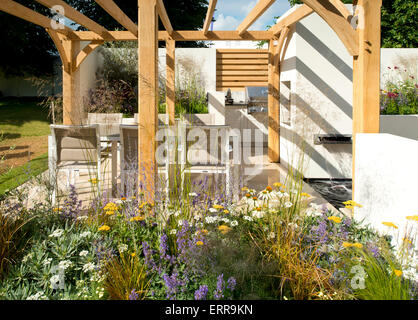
332	139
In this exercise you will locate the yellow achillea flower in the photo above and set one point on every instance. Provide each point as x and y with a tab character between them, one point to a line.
351	203
110	206
335	219
390	224
277	184
104	228
93	181
244	189
199	243
57	209
226	211
204	231
224	229
133	254
413	218
110	212
137	218
218	206
304	194
349	245
398	273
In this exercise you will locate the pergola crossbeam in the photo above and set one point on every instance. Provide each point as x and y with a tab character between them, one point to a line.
209	16
337	21
27	14
83	54
257	11
162	12
75	16
112	9
291	19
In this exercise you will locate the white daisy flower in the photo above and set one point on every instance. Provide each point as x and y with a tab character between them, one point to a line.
83	253
65	264
122	248
212	210
192	194
82	218
234	223
85	234
288	204
89	267
173	231
248	218
57	233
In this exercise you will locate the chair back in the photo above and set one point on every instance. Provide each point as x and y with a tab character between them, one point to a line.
79	144
205	145
108	122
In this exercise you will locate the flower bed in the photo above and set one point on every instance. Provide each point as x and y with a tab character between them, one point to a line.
271	244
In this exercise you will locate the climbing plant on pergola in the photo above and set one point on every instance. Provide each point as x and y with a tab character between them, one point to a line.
361	40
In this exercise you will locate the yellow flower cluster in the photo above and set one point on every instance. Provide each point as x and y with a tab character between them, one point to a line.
350	204
204	231
199	243
390	224
104	228
304	194
218	207
412	218
137	218
349	245
335	219
93	181
398	273
224	229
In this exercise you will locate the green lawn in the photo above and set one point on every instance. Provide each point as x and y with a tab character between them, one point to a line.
19	175
22	117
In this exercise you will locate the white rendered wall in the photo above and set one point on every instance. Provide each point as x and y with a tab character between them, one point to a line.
386	182
319	69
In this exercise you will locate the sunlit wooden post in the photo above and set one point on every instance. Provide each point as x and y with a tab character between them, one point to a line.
170	80
273	106
147	96
366	72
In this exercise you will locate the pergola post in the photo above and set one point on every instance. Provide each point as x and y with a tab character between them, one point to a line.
171	80
147	96
72	106
273	105
366	72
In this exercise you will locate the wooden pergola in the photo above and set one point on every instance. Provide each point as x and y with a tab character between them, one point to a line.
362	42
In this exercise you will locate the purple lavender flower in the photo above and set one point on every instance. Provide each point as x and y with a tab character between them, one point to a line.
201	293
133	295
231	283
173	284
220	285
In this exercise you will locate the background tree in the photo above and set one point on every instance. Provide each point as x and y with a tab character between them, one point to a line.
399	22
28	50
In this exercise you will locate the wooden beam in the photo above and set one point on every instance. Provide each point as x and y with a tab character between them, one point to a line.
64	53
147	96
75	16
335	19
71	98
273	107
209	16
164	17
366	73
111	8
171	80
342	8
258	10
291	19
178	36
279	47
17	10
83	54
215	35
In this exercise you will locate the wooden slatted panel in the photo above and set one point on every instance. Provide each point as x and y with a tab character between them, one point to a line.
239	68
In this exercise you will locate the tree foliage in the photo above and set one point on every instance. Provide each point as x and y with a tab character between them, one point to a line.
28	50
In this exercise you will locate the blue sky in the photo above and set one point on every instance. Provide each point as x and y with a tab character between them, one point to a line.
230	13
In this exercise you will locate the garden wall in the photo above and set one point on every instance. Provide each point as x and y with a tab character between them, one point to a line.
386	180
